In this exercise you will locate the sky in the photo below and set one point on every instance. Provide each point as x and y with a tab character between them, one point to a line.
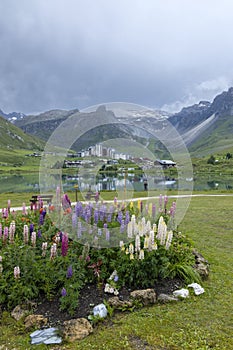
66	54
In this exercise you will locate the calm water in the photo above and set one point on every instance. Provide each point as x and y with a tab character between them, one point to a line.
30	183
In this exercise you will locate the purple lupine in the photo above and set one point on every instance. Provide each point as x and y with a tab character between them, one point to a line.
41	220
64	244
79	231
31	228
102	212
66	203
127	217
63	292
39	234
96	215
69	273
122	228
120	217
78	209
74	220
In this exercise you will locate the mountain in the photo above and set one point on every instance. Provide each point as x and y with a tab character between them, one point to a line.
207	127
12	137
12	116
43	125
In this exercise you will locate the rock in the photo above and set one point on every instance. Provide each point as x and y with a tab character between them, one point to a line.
46	336
146	296
196	288
35	320
19	312
116	303
100	310
77	329
181	293
165	298
201	265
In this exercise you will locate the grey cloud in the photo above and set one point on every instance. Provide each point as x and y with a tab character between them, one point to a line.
76	53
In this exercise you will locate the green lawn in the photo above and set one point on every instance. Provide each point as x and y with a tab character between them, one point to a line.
198	323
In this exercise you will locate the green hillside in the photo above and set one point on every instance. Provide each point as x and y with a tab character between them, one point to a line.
217	138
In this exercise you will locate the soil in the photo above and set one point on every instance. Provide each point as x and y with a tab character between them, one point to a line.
90	296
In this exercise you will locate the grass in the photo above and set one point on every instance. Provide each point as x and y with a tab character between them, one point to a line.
199	323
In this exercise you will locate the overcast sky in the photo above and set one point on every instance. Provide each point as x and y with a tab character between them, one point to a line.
76	53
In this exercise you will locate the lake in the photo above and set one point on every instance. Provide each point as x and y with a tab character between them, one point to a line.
30	183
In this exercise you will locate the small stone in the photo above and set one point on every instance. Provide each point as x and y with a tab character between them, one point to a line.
116	303
100	310
146	296
77	329
19	312
35	320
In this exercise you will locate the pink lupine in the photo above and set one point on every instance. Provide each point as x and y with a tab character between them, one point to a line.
9	205
64	244
24	212
16	272
5	234
0	230
12	232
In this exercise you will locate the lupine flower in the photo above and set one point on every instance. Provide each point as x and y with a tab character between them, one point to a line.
16	272
69	273
39	235
162	231
122	227
0	230
25	234
169	240
64	244
5	234
131	248
31	228
130	230
63	292
53	251
74	220
78	209
12	232
96	216
33	238
44	248
41	220
137	243
127	217
141	254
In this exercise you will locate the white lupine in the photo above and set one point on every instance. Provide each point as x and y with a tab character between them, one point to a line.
12	232
16	272
162	231
137	243
146	242
154	227
44	248
141	255
33	238
169	240
152	237
143	226
131	248
148	226
130	230
25	234
53	251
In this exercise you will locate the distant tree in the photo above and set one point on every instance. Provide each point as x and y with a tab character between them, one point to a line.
211	160
228	155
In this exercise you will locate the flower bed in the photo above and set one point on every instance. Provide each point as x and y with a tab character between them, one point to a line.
56	251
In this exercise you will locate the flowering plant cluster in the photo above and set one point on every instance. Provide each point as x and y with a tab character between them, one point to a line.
134	244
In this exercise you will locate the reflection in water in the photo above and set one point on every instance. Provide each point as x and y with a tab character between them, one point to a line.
135	182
